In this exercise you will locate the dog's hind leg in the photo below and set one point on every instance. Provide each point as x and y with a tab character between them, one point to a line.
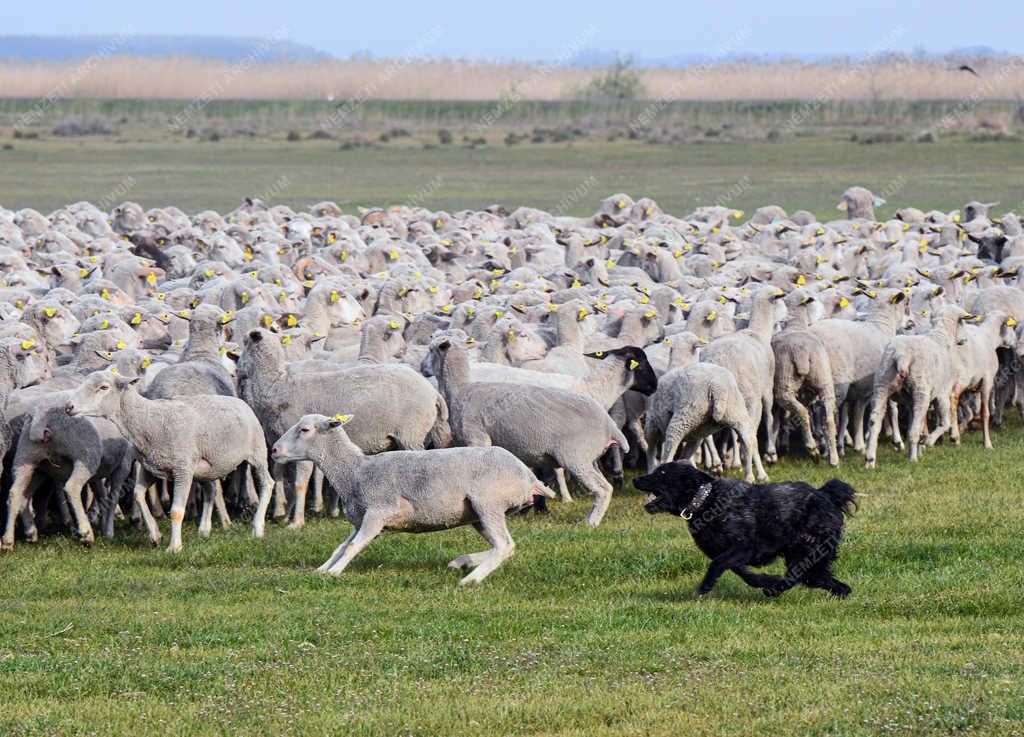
756	580
820	577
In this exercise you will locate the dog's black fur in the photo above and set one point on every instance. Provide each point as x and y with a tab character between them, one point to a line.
739	525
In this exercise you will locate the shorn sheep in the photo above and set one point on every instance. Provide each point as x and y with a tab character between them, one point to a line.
414	491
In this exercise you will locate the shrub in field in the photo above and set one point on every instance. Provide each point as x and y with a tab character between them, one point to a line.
620	81
94	126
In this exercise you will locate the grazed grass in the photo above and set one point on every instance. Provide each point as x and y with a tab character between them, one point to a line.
582	632
807	173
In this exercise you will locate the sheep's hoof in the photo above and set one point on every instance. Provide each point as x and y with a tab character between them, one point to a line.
617	481
771	458
295	525
458	564
869	463
32	536
6	547
174	548
87	540
156	541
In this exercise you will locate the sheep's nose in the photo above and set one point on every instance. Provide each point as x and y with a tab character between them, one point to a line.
69	408
47	435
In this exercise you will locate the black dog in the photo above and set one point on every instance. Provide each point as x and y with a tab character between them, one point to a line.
737	525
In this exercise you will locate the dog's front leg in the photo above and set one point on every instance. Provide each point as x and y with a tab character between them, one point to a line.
719	565
756	580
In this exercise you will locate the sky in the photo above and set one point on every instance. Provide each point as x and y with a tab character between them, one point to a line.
545	29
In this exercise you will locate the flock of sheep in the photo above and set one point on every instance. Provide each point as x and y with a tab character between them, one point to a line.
154	363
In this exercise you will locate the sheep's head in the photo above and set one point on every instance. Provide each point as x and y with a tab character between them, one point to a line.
859	203
636	366
302	439
99	395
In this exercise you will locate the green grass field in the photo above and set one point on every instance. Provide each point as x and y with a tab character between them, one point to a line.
583	632
796	173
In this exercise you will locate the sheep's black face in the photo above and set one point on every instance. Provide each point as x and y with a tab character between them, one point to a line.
645	380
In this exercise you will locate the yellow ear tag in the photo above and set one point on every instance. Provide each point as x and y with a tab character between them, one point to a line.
956	218
30	343
581	314
342	418
577	283
393	325
120	345
620	204
84	273
286	339
112	370
105	294
268	320
609	263
1011	322
136	319
161	296
737	214
633	364
50	311
334	296
801	280
19	304
245	297
711	316
432	289
292	321
145	363
105	324
330	238
511	335
844	302
499	313
722	299
650	313
393	255
478	293
552	308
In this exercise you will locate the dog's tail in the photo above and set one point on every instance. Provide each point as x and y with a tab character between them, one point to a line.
842	495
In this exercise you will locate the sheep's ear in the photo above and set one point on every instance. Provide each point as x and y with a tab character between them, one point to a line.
255	336
596	354
897	298
105	355
444	345
338	420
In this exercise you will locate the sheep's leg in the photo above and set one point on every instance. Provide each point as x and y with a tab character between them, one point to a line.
156	500
471	560
371	527
652	441
333	500
844	418
16	502
326	565
182	487
318	490
759	471
944	420
260	473
594	481
791	404
563	486
859	410
675	432
303	473
219	506
615	460
141	491
830	427
495	531
986	410
80	474
894	422
771	455
715	463
917	420
206	516
280	497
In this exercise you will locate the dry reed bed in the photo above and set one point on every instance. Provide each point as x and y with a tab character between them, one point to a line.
441	79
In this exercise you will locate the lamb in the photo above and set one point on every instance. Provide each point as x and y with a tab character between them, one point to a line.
199	371
920	366
543	427
691	402
859	203
400	409
748	354
976	364
200	438
854	350
74	451
414	491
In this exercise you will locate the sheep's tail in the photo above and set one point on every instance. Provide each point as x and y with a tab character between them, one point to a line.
842	495
440	435
902	363
618	438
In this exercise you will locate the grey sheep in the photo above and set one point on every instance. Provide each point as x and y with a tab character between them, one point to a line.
414	491
542	426
202	438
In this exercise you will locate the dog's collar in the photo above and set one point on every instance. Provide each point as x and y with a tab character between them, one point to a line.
697	502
